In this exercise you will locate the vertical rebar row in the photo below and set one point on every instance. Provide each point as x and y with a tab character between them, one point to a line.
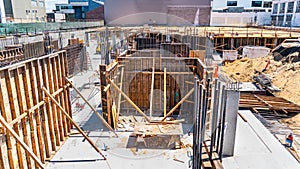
215	116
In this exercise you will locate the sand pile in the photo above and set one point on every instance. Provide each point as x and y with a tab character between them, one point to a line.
284	75
243	69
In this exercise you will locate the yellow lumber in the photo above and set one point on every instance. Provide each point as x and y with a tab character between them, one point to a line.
178	104
19	140
129	100
72	121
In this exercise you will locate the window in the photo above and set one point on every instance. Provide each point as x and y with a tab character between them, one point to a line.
281	8
256	3
33	2
27	12
298	7
231	3
41	3
290	8
275	8
267	4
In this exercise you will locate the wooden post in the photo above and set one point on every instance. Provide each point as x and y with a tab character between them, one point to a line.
151	93
120	96
38	114
54	112
165	92
19	140
178	104
56	87
95	111
129	100
22	110
73	122
13	114
49	109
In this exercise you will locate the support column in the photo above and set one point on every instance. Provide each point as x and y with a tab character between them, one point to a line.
231	110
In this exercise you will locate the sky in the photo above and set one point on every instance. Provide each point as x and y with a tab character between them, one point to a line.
50	4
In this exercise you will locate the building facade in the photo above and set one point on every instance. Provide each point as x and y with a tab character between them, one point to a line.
286	13
78	9
23	11
2	13
164	12
241	12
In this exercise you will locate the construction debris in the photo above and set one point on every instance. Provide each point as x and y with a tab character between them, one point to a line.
282	70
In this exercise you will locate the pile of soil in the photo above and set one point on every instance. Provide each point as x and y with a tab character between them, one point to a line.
284	75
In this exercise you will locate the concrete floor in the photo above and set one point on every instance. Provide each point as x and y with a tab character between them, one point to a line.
256	147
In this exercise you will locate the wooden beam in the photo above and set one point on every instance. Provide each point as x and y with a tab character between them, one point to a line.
94	110
9	87
151	92
19	140
165	92
120	96
178	104
41	103
106	88
73	122
129	100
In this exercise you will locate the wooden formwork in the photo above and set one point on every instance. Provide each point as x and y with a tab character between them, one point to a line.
27	110
76	57
133	76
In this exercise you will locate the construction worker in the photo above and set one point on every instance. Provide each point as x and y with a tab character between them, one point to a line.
289	140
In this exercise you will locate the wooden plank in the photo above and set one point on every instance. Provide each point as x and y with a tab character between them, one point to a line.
165	92
56	87
1	159
11	98
106	88
23	114
48	115
129	100
53	107
73	122
4	114
66	92
61	94
178	104
32	124
151	92
95	111
26	82
39	97
120	96
19	140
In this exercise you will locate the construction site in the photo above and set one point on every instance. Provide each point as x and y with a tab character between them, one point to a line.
150	97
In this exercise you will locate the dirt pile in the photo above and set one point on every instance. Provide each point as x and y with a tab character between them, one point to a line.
243	69
284	75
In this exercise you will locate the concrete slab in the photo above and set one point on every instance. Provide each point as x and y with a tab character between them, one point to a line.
257	148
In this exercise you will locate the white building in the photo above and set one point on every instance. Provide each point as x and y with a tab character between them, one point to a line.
241	12
286	13
2	12
22	11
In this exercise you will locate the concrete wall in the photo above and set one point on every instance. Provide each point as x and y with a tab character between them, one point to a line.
139	12
240	19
